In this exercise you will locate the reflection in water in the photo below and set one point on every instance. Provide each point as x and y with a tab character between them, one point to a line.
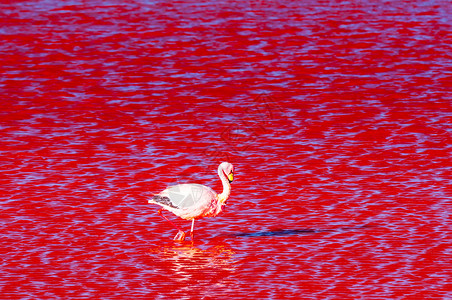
188	265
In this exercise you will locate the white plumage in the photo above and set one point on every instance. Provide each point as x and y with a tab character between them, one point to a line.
194	201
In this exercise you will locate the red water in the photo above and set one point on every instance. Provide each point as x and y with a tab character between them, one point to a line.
335	114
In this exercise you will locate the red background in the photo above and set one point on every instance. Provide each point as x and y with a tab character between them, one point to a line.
335	114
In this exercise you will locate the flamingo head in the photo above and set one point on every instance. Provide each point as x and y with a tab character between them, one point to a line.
228	170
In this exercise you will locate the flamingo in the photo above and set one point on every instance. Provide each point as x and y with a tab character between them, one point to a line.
194	201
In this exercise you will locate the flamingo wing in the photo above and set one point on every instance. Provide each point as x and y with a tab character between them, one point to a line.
184	196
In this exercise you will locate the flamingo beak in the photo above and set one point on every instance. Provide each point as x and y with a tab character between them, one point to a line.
231	177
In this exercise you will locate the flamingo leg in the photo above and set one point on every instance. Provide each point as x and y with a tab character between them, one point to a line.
180	236
191	231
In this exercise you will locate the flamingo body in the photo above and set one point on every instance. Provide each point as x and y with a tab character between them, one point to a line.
195	201
188	201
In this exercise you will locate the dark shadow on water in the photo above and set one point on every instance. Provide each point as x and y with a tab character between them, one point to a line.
281	232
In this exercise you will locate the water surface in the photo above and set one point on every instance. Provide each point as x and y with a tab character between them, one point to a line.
336	116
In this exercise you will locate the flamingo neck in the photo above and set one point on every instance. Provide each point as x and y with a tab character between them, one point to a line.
226	187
